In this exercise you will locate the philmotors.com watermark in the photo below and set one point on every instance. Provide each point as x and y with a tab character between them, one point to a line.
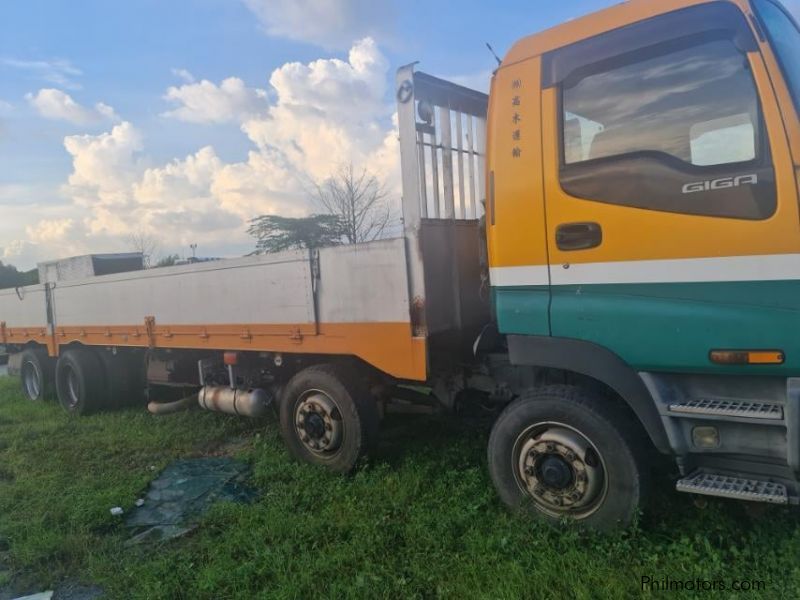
665	583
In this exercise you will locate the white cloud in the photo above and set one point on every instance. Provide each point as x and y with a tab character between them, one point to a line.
326	23
5	107
49	230
206	102
184	74
325	113
105	167
328	111
59	71
13	249
57	105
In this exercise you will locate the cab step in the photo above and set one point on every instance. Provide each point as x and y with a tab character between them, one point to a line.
738	488
724	407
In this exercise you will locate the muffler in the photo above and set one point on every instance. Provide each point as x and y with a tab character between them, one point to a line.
246	403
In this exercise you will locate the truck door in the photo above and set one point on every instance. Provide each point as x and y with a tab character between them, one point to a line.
670	195
515	229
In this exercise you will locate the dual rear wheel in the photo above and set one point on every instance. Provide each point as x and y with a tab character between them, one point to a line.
84	381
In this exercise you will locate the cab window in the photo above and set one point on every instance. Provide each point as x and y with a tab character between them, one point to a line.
674	127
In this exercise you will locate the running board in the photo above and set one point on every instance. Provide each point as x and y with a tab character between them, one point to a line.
754	490
721	407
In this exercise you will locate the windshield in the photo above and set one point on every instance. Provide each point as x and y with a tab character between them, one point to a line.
784	38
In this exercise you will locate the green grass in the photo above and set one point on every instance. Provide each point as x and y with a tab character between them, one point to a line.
418	520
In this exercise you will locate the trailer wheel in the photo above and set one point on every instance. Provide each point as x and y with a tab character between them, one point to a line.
561	454
80	381
327	417
36	374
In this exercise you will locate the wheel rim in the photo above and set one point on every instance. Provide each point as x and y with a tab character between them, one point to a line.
32	380
318	423
71	379
560	469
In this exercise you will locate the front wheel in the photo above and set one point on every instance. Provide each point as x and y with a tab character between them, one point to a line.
563	454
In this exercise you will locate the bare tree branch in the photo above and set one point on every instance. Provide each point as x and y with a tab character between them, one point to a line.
361	203
147	244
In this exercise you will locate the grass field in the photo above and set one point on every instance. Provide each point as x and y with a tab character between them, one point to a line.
418	520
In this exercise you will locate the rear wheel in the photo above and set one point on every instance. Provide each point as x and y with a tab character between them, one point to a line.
328	417
80	381
36	374
561	453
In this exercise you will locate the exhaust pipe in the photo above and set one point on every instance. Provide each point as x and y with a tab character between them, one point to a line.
246	403
168	408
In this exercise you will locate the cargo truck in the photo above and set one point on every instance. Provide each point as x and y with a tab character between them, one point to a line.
607	246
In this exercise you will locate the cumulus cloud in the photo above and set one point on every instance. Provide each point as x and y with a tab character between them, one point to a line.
207	102
324	114
54	104
49	230
327	23
327	111
105	167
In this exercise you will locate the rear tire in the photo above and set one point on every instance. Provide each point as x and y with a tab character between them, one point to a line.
125	380
328	417
36	374
561	453
80	381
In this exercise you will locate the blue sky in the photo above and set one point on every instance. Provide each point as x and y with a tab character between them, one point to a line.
114	118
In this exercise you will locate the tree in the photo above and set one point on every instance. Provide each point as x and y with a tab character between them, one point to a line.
167	261
10	277
361	203
148	245
274	233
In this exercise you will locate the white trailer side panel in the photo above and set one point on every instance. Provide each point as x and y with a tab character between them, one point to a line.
24	307
345	301
261	289
364	283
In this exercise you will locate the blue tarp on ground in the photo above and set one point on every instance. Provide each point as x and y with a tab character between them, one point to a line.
183	492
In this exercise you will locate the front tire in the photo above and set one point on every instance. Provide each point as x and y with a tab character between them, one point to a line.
561	453
328	417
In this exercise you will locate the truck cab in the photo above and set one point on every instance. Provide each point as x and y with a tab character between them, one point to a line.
643	242
643	231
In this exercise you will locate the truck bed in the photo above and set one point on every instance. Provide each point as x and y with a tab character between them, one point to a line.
344	300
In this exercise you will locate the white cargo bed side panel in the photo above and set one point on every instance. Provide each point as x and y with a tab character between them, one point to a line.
25	307
364	283
263	289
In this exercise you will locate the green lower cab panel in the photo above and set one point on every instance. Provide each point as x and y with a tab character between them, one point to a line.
523	310
667	327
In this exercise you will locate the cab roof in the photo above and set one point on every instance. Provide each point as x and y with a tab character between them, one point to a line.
597	23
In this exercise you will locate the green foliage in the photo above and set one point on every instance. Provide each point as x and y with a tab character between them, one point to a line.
10	277
419	519
167	261
274	233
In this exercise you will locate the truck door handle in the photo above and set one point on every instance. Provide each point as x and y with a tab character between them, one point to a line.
578	236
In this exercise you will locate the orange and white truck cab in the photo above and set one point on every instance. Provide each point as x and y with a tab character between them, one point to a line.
643	243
